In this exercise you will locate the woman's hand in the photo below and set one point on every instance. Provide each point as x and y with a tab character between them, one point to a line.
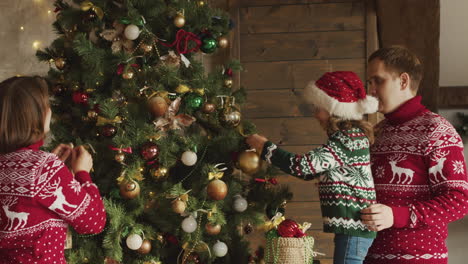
256	141
81	160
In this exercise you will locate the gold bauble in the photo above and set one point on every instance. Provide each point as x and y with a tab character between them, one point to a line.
228	82
208	108
92	115
145	247
146	47
128	74
60	63
179	20
223	42
178	206
231	118
217	190
157	106
212	229
129	189
160	238
160	172
119	157
249	162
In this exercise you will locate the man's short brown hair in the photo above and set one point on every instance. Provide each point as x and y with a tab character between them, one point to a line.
400	59
24	102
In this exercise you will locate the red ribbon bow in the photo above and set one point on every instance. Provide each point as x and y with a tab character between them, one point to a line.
182	41
127	150
273	181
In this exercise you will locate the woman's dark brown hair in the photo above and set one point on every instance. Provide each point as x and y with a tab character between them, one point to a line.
337	124
24	102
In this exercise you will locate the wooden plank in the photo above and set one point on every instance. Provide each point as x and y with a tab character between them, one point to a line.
294	74
291	131
301	18
274	103
303	46
289	2
453	97
234	38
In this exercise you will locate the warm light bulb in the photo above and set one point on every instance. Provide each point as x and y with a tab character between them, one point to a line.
36	44
49	12
22	28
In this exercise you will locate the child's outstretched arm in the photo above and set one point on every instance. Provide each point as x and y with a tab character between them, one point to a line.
307	166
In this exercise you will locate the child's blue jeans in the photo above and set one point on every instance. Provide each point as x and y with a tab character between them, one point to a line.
350	249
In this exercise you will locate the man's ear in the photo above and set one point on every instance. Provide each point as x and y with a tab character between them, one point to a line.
405	81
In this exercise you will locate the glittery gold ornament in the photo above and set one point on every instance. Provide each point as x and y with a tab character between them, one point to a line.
228	82
179	20
178	206
60	63
160	172
129	189
212	229
145	247
146	47
217	190
223	42
128	74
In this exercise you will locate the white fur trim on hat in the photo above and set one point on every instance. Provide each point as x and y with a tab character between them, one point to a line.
350	111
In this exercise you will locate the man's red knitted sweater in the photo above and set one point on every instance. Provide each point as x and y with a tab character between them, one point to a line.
39	199
419	171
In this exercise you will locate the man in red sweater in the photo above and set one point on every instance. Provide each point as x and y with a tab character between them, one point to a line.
418	167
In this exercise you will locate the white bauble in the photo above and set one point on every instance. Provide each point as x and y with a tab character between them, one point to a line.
220	249
240	204
132	32
189	224
134	241
189	158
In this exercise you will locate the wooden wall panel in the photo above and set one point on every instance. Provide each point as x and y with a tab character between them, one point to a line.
302	46
289	2
294	74
291	131
300	18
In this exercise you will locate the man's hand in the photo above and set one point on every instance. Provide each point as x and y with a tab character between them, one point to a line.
256	141
377	217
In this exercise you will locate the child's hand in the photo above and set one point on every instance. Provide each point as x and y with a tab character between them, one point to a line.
256	141
63	151
81	159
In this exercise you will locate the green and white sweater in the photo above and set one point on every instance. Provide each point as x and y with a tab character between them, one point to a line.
346	185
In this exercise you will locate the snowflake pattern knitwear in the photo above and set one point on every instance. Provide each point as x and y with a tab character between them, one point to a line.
420	172
39	198
346	186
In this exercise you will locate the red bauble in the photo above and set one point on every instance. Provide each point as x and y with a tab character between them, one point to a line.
288	228
80	98
108	130
149	151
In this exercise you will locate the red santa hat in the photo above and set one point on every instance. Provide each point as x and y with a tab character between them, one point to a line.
342	94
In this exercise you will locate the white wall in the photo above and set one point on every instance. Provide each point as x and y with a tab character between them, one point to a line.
454	72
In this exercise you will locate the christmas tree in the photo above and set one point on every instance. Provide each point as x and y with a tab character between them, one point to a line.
167	138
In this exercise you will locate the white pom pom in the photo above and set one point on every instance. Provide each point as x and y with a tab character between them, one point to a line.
189	225
220	249
134	241
189	158
132	32
369	105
